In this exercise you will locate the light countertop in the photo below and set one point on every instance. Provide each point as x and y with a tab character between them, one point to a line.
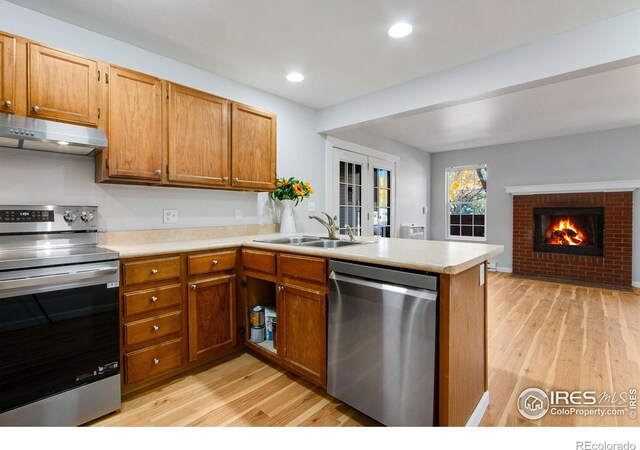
432	256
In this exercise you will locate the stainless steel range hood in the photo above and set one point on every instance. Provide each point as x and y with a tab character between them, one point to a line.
47	136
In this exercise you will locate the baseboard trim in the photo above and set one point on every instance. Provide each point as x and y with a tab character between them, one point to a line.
478	413
635	284
504	269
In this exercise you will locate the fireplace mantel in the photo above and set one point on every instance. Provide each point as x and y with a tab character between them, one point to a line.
567	188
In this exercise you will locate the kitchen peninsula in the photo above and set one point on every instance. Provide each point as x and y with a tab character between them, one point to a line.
190	281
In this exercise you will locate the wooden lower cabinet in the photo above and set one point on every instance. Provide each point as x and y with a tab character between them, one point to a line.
302	325
211	316
177	311
296	286
149	362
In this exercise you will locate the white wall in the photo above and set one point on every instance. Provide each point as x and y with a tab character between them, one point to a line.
40	178
412	177
599	156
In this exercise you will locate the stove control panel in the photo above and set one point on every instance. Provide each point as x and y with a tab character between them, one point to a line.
47	219
25	215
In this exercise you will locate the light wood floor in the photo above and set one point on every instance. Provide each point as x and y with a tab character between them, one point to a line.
547	335
242	391
559	337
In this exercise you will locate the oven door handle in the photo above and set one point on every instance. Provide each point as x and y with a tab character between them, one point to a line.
56	278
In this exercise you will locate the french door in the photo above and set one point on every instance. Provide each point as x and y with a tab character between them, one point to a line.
364	194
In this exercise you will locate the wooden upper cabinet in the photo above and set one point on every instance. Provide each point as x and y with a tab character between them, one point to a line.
62	86
253	148
198	137
135	125
212	304
7	73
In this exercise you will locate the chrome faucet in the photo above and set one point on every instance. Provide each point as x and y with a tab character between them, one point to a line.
350	233
329	224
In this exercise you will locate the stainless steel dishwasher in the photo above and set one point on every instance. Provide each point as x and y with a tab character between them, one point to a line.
382	342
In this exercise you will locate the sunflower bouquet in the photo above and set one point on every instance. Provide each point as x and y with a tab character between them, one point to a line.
291	189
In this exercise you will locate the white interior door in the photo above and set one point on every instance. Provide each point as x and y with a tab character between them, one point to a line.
382	198
351	191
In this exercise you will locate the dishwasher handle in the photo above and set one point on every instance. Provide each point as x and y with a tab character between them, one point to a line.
425	294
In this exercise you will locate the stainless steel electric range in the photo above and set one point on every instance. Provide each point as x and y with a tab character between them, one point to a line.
59	341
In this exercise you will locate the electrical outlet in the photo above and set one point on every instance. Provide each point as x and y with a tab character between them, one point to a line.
238	214
170	216
311	206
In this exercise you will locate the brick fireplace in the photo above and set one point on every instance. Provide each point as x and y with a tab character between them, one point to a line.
579	237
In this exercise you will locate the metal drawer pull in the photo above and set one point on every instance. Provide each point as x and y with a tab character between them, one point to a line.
154	298
36	109
215	262
158	172
154	271
156	361
155	328
8	104
194	287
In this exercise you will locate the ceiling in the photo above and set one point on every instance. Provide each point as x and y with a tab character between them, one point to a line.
340	46
601	101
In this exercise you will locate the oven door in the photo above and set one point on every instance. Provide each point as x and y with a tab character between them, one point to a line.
58	330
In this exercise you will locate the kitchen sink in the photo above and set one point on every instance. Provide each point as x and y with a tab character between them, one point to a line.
325	243
293	240
311	241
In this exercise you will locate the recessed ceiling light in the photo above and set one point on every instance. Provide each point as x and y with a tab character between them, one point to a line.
400	30
295	77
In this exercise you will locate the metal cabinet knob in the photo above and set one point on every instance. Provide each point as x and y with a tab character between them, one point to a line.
194	287
215	262
225	178
154	271
155	328
158	172
236	179
156	361
36	109
154	298
8	104
280	288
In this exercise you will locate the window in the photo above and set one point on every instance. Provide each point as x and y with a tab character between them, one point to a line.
466	202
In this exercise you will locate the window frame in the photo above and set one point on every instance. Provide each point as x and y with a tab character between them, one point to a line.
447	216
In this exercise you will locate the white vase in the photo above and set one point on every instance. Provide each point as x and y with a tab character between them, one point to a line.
287	223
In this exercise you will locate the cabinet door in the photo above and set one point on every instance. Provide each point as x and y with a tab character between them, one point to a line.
7	73
62	86
135	125
198	138
253	148
303	330
211	316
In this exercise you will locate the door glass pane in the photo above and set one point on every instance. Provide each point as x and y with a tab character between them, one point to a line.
350	197
381	202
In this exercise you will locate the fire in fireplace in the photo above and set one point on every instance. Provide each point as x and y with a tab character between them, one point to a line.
577	231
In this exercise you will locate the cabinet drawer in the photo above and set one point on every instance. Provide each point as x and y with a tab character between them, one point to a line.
152	328
211	262
303	267
152	299
259	261
151	361
151	270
